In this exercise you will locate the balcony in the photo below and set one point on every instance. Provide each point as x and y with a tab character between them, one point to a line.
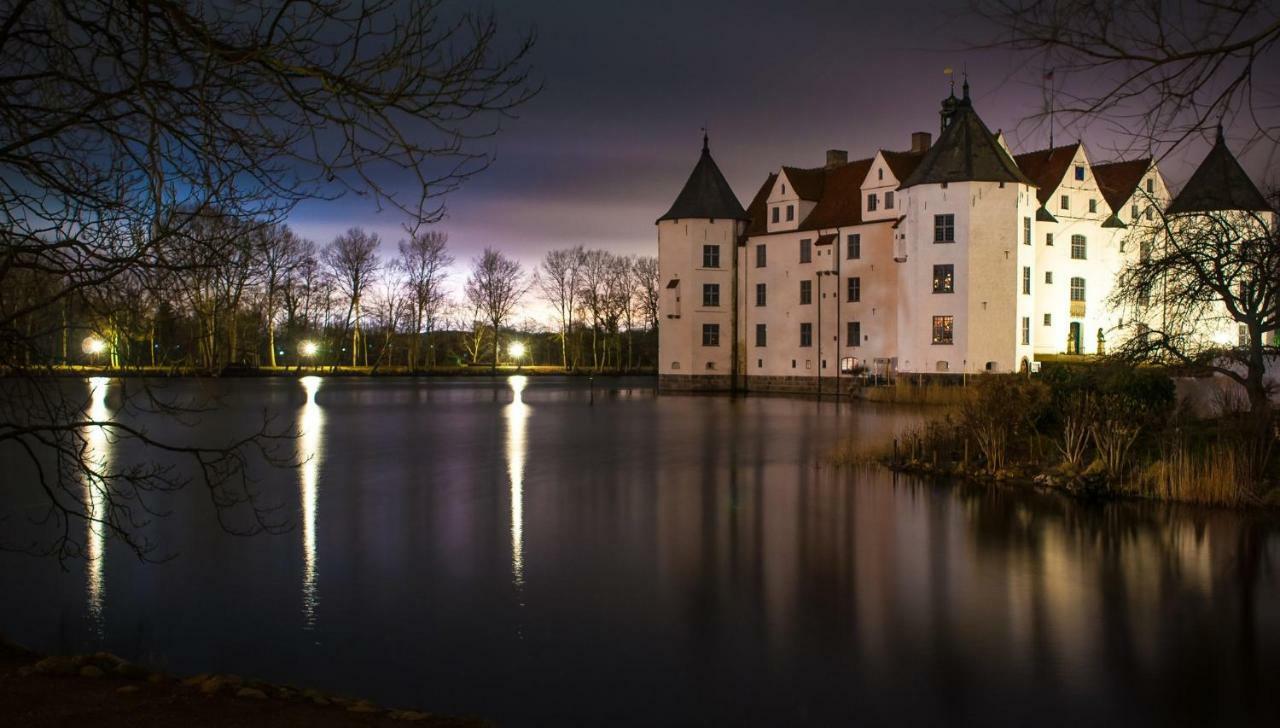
1077	309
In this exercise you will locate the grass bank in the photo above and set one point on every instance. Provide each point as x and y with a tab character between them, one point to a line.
105	691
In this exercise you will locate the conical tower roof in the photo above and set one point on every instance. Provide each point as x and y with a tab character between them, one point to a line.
966	151
1218	184
706	195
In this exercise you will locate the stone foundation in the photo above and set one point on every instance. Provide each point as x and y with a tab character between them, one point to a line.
695	383
758	384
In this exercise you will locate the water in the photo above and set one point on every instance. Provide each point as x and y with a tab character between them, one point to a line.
510	551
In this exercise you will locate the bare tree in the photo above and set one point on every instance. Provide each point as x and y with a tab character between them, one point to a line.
425	260
558	279
1162	70
280	252
646	269
352	259
495	286
391	308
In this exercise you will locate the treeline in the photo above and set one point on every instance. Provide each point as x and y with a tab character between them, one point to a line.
237	294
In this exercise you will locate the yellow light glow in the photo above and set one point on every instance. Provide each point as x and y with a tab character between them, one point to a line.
310	348
94	345
516	350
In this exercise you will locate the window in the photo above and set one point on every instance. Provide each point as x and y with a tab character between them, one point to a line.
880	174
853	333
1026	280
1080	172
1151	186
1026	330
806	293
1078	247
761	335
944	228
1048	319
1133	212
1026	231
1048	239
1093	205
853	289
711	334
1065	202
791	212
760	294
761	257
1048	276
775	215
871	202
943	328
1144	250
853	247
944	278
710	294
888	200
1077	289
1150	213
806	250
711	256
806	334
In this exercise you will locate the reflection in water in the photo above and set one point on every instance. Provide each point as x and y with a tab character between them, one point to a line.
97	458
517	414
310	433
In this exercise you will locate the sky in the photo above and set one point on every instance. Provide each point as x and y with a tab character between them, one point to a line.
605	147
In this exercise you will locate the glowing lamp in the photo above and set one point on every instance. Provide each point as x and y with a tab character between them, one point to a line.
310	348
516	350
94	345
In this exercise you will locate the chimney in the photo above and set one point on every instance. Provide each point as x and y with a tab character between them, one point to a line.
921	141
836	157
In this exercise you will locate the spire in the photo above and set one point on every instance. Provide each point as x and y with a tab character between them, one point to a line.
966	151
965	87
706	195
1218	184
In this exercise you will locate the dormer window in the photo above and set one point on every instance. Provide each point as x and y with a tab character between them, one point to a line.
1151	186
791	213
1065	202
1093	205
784	189
888	200
880	174
775	215
1080	172
871	202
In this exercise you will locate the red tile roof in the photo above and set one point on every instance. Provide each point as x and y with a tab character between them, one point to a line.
757	211
902	164
1118	180
1047	167
807	183
841	202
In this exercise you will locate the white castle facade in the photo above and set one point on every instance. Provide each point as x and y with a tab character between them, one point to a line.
953	257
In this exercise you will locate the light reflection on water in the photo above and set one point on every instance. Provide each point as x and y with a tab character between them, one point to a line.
97	442
310	440
517	444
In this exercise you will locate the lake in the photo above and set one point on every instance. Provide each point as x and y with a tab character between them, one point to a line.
535	553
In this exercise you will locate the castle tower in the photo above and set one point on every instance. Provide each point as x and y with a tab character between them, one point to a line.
697	260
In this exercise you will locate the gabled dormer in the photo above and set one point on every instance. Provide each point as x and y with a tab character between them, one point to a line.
1134	191
1066	186
795	193
880	198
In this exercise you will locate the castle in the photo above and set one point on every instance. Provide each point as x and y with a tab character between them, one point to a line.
954	256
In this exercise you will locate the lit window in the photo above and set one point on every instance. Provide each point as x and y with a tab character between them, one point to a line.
711	256
944	278
944	228
853	290
943	329
853	333
711	334
806	293
710	294
806	334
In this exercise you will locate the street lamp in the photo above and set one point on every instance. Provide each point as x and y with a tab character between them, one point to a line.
94	346
309	349
516	351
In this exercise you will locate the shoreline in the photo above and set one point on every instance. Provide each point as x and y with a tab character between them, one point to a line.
104	690
322	371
